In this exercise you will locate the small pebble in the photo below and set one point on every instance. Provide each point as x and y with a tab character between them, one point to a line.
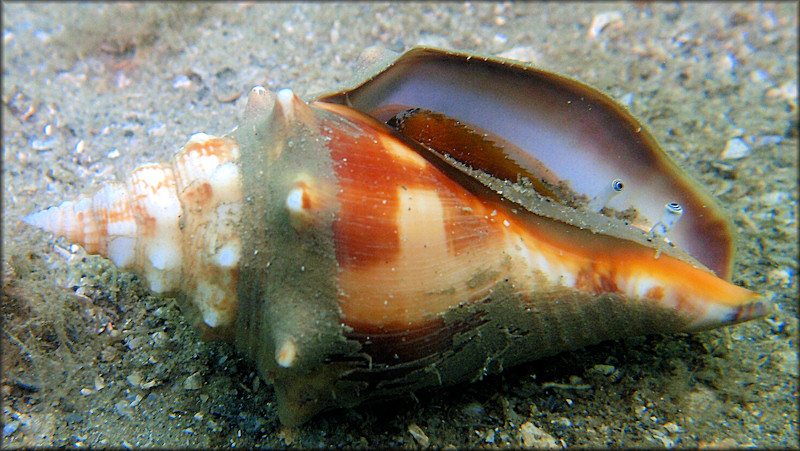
789	363
666	442
735	149
193	382
764	140
627	99
419	435
43	144
473	409
775	198
522	53
134	379
108	354
786	91
563	421
672	428
603	369
159	339
10	428
334	38
42	36
123	408
182	81
759	75
534	437
159	130
73	418
779	275
99	383
134	343
726	443
136	401
602	20
726	63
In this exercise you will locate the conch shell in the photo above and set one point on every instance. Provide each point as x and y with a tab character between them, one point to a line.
442	218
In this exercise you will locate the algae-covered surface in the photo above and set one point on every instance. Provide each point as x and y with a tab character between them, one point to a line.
90	358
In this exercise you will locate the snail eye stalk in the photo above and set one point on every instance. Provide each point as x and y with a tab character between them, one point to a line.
672	214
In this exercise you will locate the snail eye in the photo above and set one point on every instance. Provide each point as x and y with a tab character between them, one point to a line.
609	192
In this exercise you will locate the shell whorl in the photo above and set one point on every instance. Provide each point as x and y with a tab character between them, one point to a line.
174	224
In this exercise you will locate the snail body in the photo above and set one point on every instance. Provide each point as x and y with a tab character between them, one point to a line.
354	260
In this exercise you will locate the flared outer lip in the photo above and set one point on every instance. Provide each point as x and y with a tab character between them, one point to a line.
525	105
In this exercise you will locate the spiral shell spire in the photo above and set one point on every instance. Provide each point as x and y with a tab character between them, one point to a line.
171	223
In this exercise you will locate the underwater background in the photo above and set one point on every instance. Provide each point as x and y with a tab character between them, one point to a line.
90	91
